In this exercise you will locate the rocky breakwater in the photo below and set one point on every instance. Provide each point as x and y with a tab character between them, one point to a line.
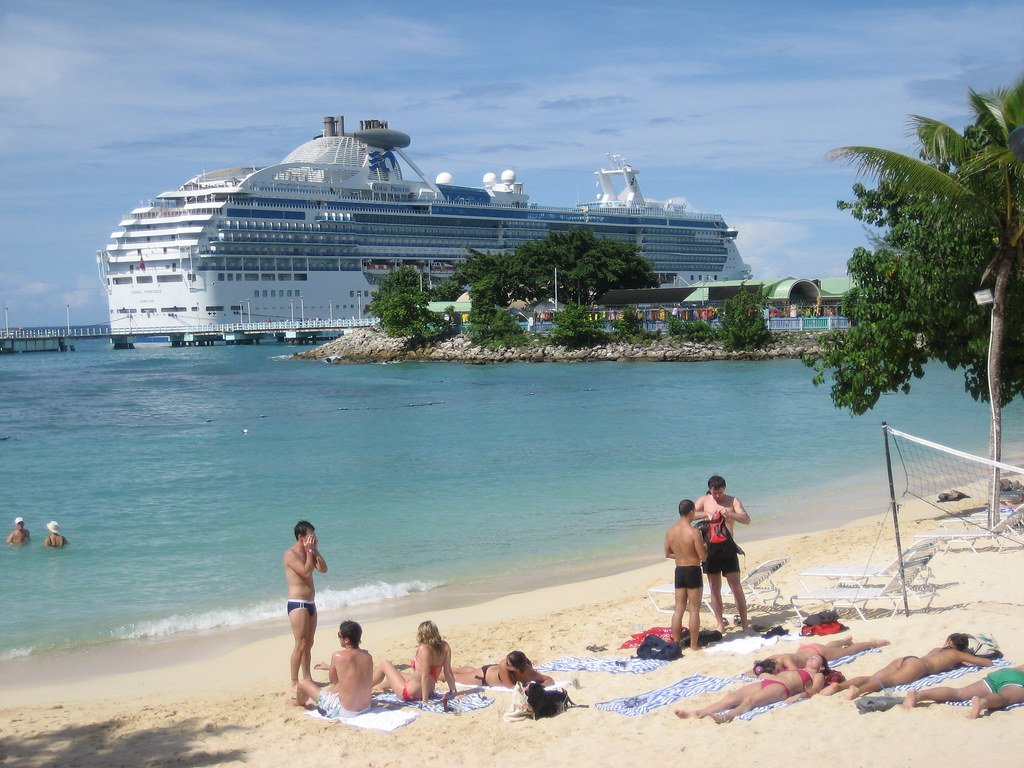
372	345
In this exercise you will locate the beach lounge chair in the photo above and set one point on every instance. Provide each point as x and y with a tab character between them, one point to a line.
1007	530
758	588
857	597
864	574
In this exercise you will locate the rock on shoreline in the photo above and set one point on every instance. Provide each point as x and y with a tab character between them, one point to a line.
372	345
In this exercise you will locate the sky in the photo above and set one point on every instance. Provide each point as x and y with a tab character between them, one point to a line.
730	106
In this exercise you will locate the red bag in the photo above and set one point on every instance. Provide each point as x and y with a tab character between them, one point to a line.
829	628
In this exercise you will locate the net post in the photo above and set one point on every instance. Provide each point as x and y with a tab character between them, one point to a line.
895	517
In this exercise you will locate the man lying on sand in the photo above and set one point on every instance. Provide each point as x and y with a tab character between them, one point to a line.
999	689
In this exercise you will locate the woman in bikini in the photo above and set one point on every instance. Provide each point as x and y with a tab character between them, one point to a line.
798	659
999	689
910	668
787	686
514	668
433	656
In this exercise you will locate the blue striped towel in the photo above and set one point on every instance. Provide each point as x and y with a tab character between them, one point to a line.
761	710
641	704
465	702
632	666
953	674
745	678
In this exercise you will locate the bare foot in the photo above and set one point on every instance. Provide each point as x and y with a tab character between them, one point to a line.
975	712
880	643
694	646
829	689
853	694
910	700
682	714
721	718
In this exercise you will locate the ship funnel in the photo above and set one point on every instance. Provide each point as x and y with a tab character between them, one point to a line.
330	127
339	125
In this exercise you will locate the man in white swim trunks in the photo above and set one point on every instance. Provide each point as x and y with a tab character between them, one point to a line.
300	560
351	676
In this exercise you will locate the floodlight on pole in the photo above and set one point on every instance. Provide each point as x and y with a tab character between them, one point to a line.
984	296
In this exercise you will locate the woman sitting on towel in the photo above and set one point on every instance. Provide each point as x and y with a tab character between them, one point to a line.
433	656
999	689
514	668
787	686
798	659
910	668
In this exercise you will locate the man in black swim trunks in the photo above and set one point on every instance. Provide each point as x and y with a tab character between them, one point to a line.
683	542
723	558
300	561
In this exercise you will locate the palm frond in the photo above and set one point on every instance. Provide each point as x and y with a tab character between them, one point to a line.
939	141
906	173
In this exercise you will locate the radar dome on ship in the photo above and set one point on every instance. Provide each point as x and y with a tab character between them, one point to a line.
508	176
490	179
444	178
383	138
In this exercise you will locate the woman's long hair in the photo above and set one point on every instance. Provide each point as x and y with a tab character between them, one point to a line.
429	634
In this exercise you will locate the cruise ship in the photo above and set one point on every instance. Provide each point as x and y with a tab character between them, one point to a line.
312	236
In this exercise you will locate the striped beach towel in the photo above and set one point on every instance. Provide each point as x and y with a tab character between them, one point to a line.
377	719
832	664
953	674
761	710
633	666
641	704
464	702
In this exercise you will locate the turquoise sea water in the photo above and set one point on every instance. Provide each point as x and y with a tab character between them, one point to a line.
179	474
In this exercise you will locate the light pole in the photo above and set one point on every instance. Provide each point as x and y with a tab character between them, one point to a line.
330	312
293	310
248	311
302	308
7	327
359	296
68	308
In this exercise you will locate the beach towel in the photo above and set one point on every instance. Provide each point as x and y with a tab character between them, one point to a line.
953	674
744	644
377	719
641	704
851	657
503	689
631	666
665	633
464	702
761	710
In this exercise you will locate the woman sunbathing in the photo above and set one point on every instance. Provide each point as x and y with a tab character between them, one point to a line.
798	659
787	686
910	668
514	668
433	656
999	689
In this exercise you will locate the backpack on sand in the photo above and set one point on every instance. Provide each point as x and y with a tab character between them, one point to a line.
654	647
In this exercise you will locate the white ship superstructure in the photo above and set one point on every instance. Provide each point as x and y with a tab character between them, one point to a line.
311	236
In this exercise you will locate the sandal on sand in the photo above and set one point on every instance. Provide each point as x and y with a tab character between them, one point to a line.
597	648
877	703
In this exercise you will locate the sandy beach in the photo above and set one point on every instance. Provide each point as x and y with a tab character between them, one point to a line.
199	703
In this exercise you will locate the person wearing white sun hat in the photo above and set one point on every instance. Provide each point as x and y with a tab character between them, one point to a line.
56	539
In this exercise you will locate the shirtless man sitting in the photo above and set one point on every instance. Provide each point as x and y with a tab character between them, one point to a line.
351	676
300	560
684	543
514	668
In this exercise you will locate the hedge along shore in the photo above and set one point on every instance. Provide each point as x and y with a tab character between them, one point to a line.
373	345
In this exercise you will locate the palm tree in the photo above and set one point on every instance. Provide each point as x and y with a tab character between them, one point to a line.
978	174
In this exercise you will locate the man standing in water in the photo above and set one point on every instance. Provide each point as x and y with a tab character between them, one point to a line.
723	512
684	543
20	533
300	561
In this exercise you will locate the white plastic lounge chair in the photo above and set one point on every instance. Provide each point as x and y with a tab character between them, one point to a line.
1005	531
857	597
758	588
863	574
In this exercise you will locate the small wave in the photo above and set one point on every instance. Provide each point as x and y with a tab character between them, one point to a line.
15	653
328	599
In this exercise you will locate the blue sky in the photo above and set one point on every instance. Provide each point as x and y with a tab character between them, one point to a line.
730	105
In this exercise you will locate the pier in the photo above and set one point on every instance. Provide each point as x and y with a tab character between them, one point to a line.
281	332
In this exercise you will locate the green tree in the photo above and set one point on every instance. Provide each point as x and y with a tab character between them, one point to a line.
691	330
495	328
628	326
576	327
741	322
961	183
401	305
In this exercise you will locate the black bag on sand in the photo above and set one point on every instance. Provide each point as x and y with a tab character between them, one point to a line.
654	647
545	703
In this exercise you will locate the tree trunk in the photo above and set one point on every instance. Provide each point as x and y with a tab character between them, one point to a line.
995	359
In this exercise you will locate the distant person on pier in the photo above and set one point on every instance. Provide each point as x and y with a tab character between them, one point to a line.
300	560
56	540
723	512
685	544
20	533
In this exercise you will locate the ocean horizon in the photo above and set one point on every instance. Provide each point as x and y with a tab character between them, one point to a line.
178	475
